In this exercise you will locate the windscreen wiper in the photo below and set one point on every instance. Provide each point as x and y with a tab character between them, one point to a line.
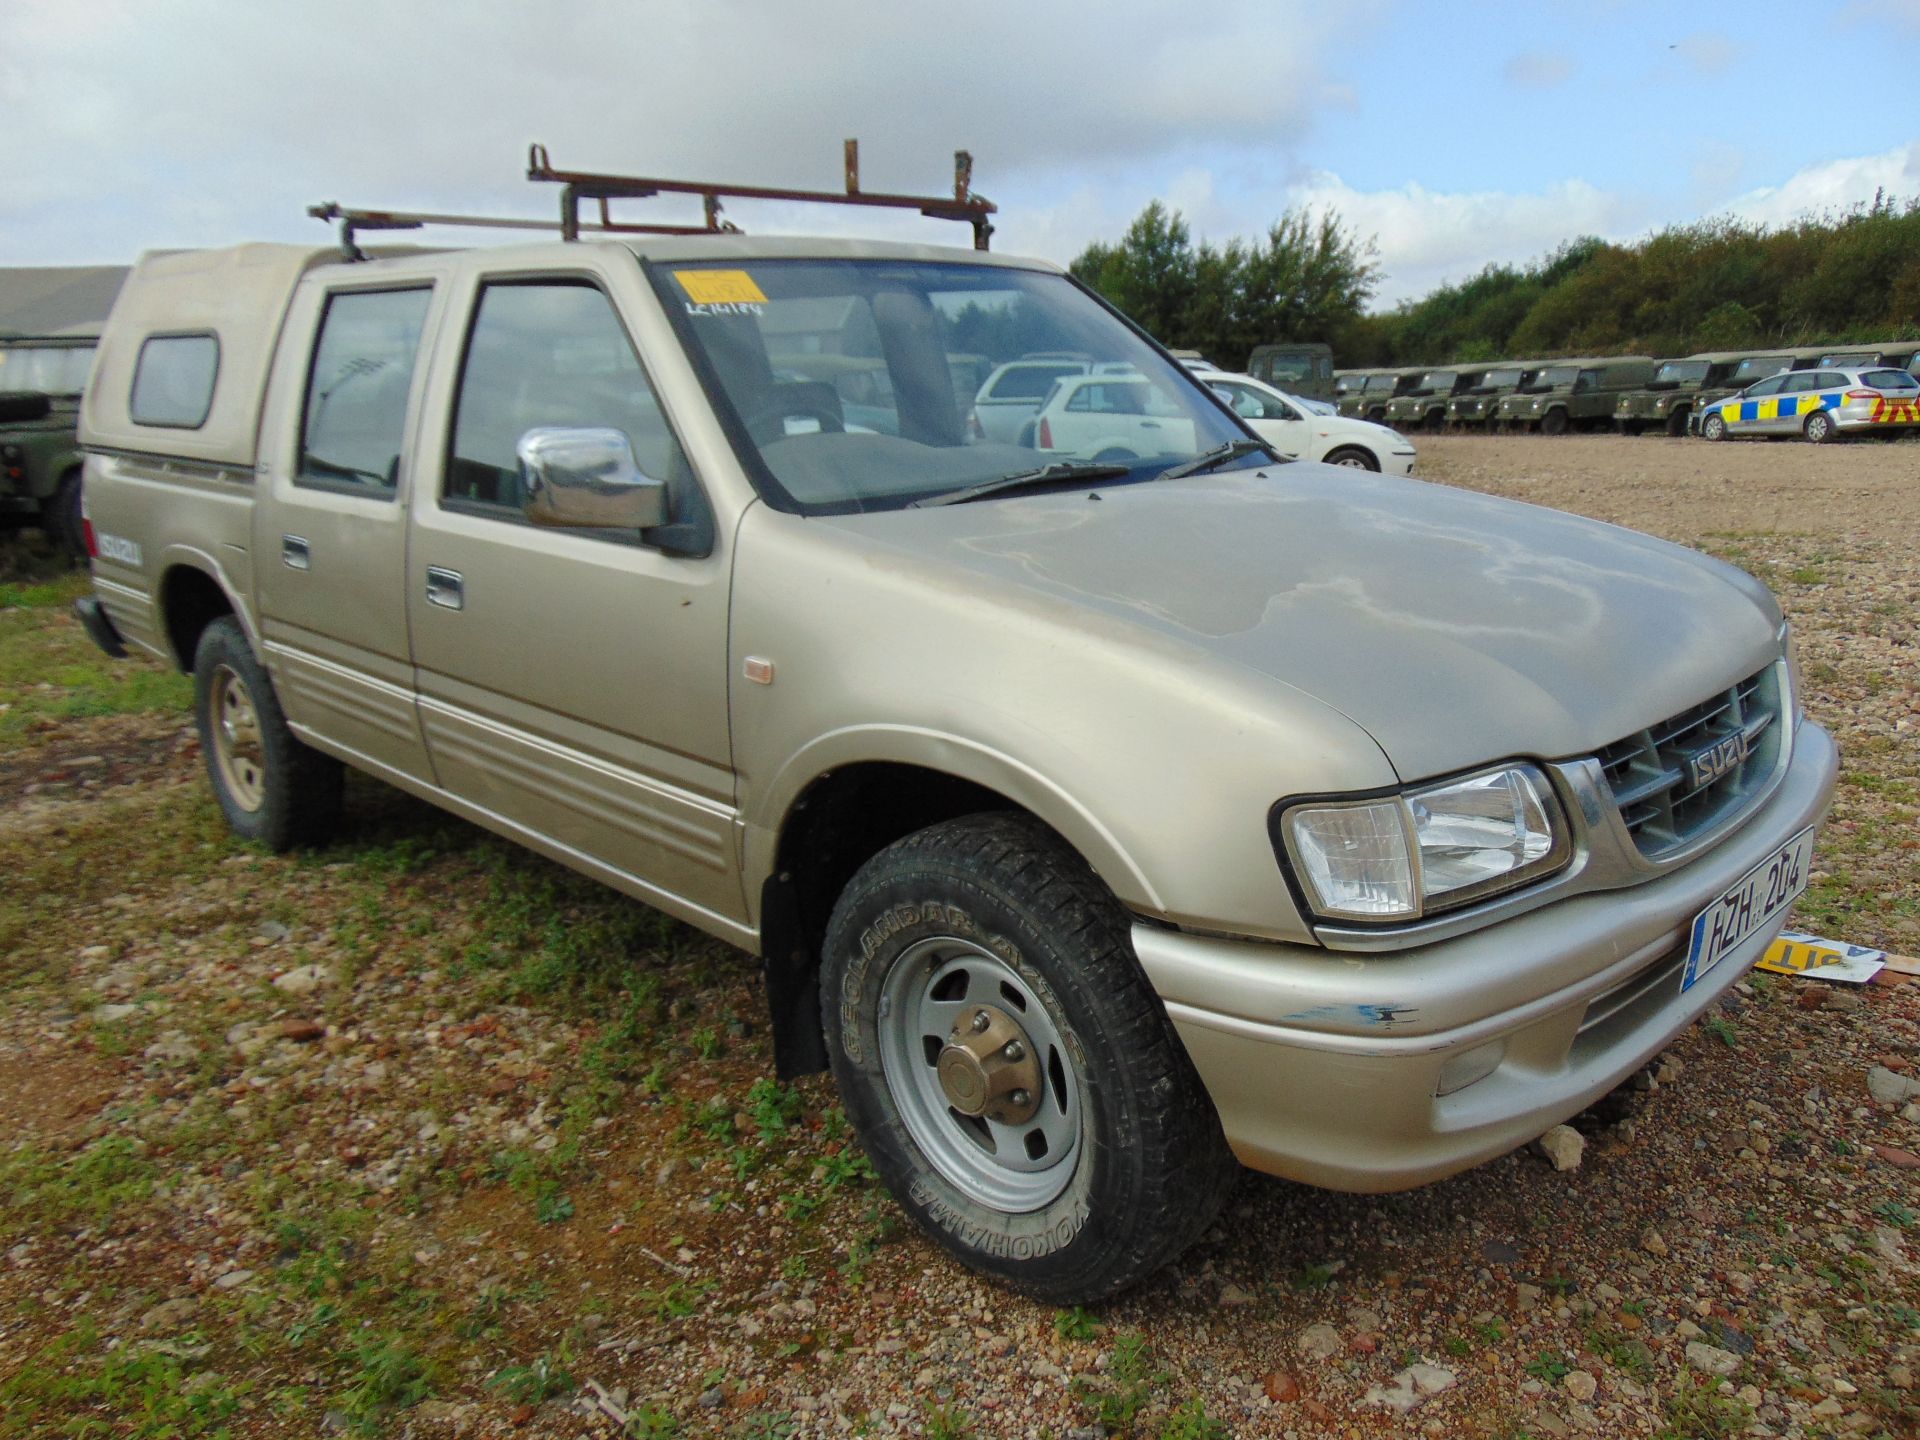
1024	480
1200	464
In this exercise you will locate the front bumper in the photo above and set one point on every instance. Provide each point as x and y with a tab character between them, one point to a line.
1326	1066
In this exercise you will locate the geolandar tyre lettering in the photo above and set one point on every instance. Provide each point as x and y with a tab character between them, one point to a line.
271	787
1012	1075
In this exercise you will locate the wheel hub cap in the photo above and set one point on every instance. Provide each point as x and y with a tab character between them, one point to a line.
988	1069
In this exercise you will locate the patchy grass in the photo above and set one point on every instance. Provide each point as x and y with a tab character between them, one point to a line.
51	672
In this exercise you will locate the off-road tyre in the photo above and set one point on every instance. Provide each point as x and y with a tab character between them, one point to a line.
1148	1166
1554	422
1677	423
1714	427
1820	429
1353	457
272	788
1628	427
64	525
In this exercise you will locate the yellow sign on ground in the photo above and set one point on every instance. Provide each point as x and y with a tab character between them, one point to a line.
1797	954
720	287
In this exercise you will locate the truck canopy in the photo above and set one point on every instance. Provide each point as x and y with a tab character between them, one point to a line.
183	365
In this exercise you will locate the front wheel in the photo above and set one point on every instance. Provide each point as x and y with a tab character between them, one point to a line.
1352	457
1820	428
1713	428
271	787
1677	424
65	523
1554	422
1011	1074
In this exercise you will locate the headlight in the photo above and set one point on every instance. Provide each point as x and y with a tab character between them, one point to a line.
1429	849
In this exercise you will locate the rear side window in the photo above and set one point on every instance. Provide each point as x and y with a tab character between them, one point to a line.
173	381
1801	382
549	352
1890	380
356	413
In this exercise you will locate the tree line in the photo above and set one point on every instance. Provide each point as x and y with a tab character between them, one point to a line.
1715	284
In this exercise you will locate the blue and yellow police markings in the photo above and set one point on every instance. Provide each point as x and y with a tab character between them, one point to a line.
1778	407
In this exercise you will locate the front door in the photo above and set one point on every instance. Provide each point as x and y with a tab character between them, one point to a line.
572	683
330	521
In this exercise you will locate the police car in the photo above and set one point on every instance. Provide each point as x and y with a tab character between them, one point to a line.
1822	405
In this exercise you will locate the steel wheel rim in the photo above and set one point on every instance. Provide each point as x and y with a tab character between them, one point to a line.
237	746
1016	1168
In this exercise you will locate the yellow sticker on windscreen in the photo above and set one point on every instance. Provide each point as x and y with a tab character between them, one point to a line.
720	287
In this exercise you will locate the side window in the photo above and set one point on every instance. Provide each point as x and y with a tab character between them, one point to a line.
547	352
173	381
1767	387
1587	380
1800	382
352	430
1081	399
1831	380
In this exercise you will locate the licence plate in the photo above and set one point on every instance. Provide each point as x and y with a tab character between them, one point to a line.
1759	896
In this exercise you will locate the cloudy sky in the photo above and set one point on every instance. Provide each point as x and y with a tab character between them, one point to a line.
1455	133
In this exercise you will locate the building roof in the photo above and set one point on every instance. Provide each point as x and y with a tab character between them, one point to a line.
47	299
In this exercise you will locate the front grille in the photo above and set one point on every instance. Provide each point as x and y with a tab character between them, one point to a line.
1658	796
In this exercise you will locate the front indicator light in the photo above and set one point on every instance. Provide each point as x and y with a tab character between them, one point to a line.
1429	849
1469	1067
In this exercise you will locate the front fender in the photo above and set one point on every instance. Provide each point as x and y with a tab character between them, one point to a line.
947	754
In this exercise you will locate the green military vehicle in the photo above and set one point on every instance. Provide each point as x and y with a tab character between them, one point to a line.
41	377
1474	406
1425	406
1874	355
1370	401
1346	383
1668	402
1753	368
1299	369
1573	394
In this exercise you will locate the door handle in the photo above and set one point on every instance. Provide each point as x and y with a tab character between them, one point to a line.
294	552
445	589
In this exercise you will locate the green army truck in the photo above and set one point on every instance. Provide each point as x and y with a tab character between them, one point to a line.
1754	367
1670	399
41	377
1573	394
1346	383
1874	355
1297	368
1425	406
1475	406
1370	401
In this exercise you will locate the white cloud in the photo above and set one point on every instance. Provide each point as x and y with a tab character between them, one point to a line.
1834	185
1708	52
1539	69
199	121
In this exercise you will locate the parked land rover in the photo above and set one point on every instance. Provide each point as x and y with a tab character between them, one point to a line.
1298	368
1379	387
1572	394
1669	399
1424	407
41	377
1098	822
1476	407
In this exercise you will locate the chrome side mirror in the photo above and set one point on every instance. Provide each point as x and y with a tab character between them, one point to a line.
587	479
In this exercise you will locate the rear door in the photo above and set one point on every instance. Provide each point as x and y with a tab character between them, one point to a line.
572	683
330	518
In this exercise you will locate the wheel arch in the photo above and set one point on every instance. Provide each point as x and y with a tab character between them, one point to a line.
836	817
194	592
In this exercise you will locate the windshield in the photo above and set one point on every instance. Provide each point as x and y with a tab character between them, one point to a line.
1860	360
1682	371
1349	384
1377	383
1501	378
1297	367
839	378
50	369
1557	375
1441	380
1758	367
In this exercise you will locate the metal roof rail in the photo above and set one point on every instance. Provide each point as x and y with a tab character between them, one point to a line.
964	205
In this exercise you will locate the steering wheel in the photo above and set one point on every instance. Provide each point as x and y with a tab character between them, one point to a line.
769	422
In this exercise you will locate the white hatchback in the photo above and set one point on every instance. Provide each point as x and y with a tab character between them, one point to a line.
1121	416
1285	422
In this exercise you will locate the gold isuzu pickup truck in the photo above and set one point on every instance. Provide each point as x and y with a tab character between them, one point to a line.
1103	816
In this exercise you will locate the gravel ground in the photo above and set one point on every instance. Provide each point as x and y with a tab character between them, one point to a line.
421	1135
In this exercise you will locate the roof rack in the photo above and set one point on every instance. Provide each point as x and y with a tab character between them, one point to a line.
964	205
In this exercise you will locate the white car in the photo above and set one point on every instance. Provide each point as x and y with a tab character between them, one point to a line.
1285	422
1118	416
